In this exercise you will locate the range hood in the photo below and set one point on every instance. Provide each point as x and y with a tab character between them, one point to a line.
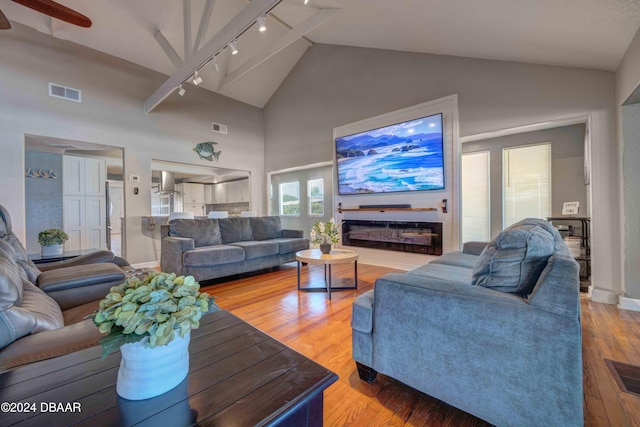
167	183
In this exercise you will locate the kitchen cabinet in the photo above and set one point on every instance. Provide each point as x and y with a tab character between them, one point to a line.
231	192
220	193
192	193
209	196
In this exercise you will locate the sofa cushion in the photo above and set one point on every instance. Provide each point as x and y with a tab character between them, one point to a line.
456	258
444	272
514	259
235	229
204	232
265	227
258	249
290	245
212	255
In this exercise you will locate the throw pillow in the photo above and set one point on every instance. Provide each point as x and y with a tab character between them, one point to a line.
513	261
266	227
204	232
235	229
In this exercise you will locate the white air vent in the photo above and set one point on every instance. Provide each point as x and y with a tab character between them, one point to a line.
64	92
218	128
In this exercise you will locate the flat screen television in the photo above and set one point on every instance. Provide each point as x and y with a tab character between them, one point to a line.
407	156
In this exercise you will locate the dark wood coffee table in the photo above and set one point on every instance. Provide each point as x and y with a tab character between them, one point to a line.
237	376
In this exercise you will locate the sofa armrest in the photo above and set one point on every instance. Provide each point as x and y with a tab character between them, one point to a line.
474	248
76	285
291	233
442	337
172	249
91	258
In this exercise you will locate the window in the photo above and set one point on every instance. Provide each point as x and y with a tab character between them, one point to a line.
290	198
526	184
475	197
315	190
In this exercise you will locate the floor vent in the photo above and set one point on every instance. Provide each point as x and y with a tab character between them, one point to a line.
218	128
63	92
627	376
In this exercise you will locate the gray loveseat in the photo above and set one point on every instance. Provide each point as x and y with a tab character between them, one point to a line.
210	248
493	330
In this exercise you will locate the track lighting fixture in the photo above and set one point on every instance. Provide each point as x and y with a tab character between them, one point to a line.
262	23
214	64
181	90
234	47
196	79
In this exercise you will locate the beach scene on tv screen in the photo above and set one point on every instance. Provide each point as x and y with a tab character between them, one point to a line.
406	156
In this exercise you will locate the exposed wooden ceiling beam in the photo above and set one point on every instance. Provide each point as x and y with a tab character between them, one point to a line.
204	23
168	49
238	24
296	33
287	27
186	15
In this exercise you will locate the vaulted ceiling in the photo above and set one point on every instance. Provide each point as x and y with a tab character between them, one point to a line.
576	33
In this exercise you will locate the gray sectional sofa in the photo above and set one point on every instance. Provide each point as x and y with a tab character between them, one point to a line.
209	248
493	330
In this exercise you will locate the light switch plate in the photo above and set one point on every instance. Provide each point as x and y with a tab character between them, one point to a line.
134	178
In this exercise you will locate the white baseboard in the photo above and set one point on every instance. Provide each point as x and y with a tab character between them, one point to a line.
150	264
629	304
603	295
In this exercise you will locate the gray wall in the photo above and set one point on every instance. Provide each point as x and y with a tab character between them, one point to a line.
567	161
335	85
43	197
113	93
627	79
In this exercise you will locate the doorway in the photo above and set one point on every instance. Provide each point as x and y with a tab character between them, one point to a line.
45	191
301	196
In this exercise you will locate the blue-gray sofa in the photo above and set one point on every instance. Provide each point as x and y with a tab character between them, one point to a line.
210	248
493	330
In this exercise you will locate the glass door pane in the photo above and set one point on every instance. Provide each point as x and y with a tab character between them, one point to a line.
475	197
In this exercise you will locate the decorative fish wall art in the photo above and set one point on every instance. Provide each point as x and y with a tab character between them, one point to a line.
38	173
206	151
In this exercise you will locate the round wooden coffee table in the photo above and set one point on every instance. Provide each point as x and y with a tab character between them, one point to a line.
337	256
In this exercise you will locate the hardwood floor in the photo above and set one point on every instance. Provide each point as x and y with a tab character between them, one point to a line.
320	329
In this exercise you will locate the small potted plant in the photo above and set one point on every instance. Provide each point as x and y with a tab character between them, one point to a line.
324	234
51	241
150	319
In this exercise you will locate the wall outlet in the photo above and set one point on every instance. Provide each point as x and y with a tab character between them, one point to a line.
134	178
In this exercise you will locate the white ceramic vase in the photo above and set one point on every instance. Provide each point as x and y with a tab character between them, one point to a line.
51	250
149	372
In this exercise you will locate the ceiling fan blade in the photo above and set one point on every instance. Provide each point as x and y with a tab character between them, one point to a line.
58	11
4	22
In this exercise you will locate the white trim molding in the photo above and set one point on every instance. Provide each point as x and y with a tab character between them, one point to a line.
603	295
150	264
629	304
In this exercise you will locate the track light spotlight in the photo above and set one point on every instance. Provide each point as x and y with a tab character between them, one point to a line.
306	1
214	64
181	90
262	23
234	47
196	79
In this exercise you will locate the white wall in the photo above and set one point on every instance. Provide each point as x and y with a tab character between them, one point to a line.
113	93
335	85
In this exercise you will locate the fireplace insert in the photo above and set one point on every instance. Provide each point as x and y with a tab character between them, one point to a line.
414	236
